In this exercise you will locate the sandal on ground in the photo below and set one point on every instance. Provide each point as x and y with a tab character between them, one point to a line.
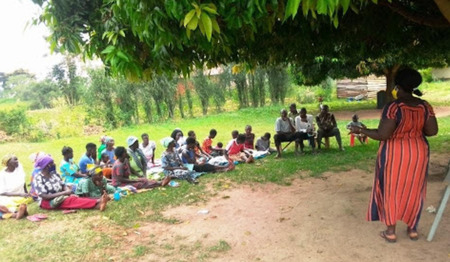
412	234
33	218
41	216
390	238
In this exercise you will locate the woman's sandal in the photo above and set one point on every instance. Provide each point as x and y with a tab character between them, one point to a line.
390	238
412	234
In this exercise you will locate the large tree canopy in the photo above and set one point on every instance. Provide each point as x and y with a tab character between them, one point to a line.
321	38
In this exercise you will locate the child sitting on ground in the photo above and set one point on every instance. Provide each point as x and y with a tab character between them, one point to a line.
236	151
355	123
95	185
234	135
249	138
106	165
263	143
207	144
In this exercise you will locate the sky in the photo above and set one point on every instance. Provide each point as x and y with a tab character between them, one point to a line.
22	46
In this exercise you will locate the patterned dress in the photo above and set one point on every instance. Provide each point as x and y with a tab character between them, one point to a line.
401	169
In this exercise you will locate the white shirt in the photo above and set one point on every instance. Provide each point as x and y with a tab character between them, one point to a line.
230	144
148	150
12	182
282	125
301	126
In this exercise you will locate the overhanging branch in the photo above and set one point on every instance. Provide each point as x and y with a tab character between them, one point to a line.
415	18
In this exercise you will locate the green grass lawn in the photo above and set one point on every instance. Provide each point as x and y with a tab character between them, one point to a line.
76	237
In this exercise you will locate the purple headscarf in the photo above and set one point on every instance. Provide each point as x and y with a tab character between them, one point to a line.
43	161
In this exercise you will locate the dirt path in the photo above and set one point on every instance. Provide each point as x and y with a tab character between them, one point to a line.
314	219
440	111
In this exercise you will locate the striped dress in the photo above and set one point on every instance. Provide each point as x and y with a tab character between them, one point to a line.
402	165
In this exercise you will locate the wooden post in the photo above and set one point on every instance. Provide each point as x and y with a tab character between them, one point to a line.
442	206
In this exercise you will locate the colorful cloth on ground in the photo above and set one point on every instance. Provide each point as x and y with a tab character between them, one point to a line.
88	188
401	169
85	163
68	169
249	141
110	155
282	125
206	145
262	145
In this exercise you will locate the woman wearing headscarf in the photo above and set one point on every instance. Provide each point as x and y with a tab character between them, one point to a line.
138	161
54	194
401	169
14	196
172	164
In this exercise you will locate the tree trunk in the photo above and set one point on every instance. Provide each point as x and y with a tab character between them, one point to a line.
390	74
180	105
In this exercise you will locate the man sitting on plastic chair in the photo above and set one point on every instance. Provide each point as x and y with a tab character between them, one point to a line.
327	127
363	139
304	126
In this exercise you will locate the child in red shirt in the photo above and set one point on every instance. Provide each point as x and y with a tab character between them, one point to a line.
237	152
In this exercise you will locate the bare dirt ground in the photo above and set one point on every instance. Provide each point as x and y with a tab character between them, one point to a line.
314	219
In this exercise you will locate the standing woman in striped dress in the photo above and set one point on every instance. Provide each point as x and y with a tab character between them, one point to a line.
402	163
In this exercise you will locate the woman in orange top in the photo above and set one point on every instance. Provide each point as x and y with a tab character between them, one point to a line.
401	168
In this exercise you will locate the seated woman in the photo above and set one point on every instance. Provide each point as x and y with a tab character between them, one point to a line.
121	173
236	150
172	164
148	147
13	192
95	185
54	194
70	172
188	156
138	161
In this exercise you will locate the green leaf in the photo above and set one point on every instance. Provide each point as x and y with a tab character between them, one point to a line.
193	23
188	17
215	25
322	7
123	56
108	49
210	10
291	8
335	21
122	33
207	24
188	33
345	5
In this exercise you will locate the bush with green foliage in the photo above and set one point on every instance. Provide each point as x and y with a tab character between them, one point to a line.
14	121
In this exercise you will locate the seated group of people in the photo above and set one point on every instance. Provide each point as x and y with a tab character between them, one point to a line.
101	171
299	126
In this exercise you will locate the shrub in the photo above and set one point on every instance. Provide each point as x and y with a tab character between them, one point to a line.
14	121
